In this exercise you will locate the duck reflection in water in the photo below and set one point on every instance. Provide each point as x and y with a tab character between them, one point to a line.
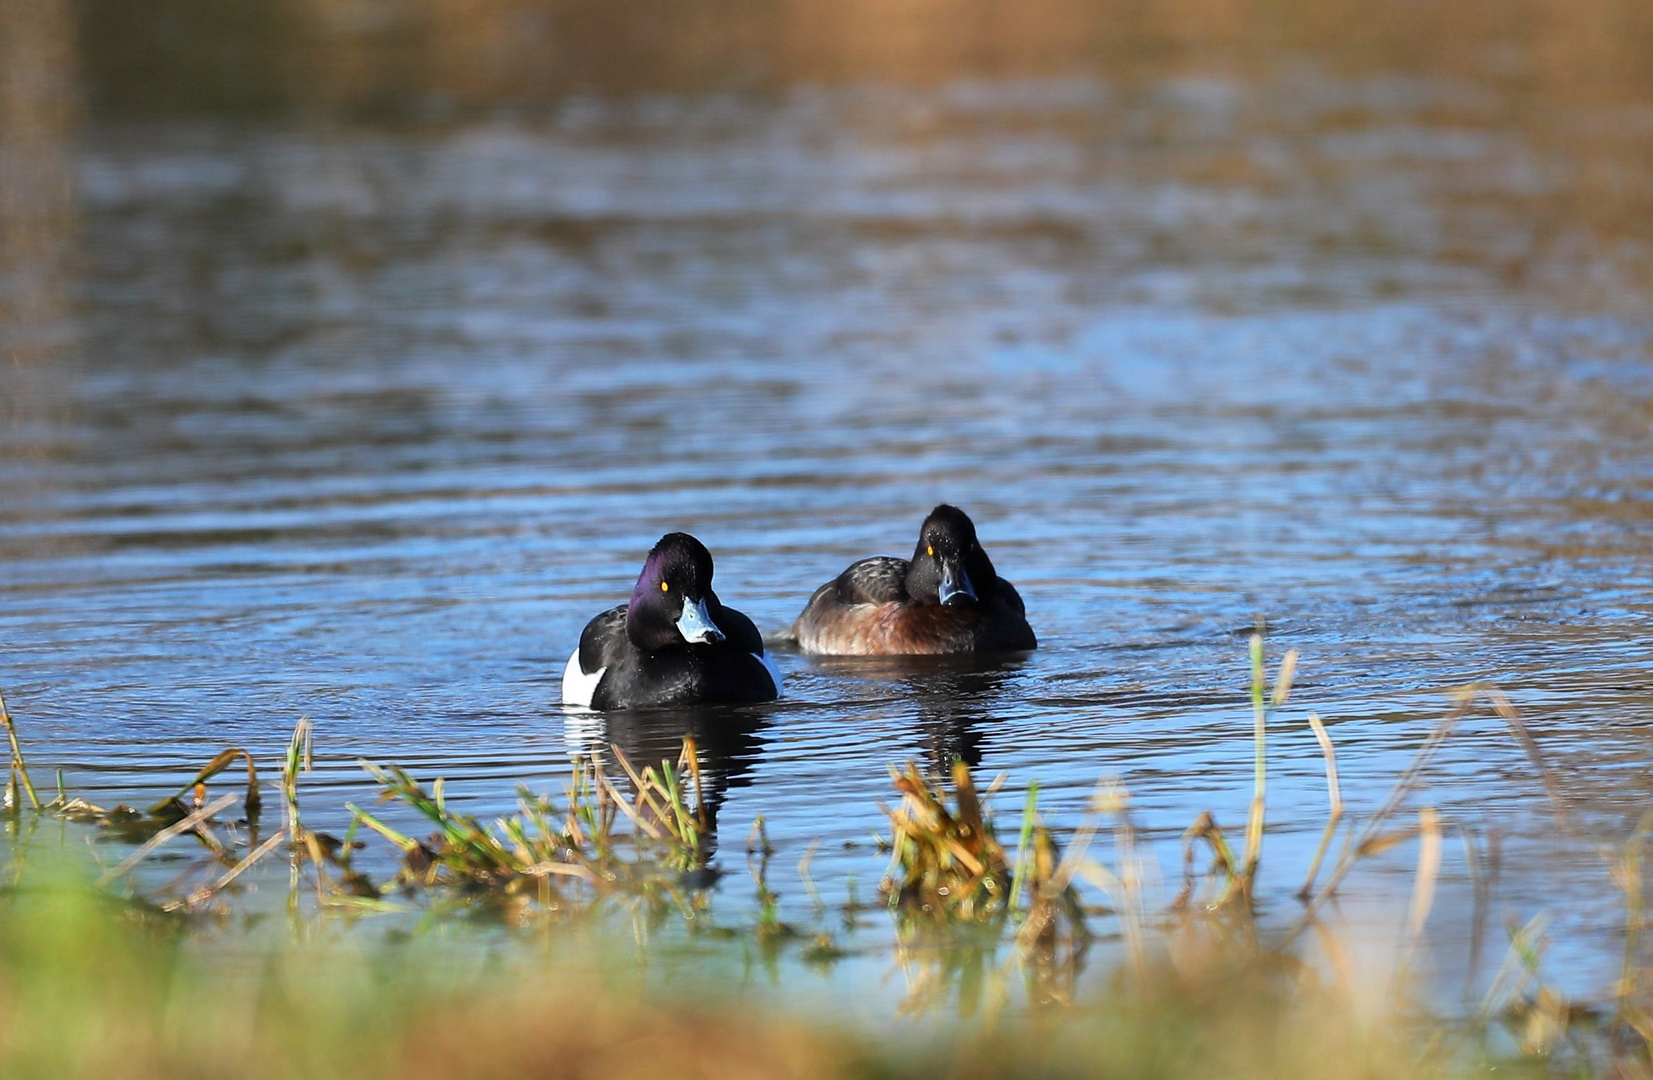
959	697
728	739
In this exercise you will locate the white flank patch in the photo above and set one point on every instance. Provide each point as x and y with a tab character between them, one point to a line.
774	672
577	686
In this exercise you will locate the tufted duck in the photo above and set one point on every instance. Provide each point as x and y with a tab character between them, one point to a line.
946	599
673	644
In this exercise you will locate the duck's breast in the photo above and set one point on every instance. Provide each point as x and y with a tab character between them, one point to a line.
888	629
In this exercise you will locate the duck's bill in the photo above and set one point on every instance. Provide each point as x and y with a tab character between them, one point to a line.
696	625
955	585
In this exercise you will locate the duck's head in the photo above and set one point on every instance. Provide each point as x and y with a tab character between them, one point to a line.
673	601
949	566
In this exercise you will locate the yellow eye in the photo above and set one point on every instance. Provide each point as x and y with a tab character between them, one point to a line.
930	550
664	587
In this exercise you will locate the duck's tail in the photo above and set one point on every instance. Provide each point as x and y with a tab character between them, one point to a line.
785	641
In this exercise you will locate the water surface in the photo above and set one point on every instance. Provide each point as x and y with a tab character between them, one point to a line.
363	423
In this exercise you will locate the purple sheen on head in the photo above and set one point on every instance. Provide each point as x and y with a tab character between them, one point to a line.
683	564
649	580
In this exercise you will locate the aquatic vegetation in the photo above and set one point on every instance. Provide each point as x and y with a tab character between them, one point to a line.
950	863
538	854
1200	986
954	891
169	818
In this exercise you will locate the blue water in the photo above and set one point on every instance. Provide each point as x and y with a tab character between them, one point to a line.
364	424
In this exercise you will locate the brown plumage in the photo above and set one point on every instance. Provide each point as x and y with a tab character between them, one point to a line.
946	599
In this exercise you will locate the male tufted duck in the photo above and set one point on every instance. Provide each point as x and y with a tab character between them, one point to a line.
673	644
946	599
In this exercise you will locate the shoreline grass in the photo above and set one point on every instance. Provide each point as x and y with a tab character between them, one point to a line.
1199	986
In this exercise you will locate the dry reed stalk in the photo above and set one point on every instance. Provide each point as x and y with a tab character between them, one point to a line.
1479	870
643	788
1628	874
557	869
1516	969
1259	791
1370	839
225	758
1284	678
690	759
199	899
1522	736
1205	828
19	770
620	803
1130	896
189	822
1423	883
804	876
1334	793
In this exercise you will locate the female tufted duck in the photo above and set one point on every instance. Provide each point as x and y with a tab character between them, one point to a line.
673	644
946	599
